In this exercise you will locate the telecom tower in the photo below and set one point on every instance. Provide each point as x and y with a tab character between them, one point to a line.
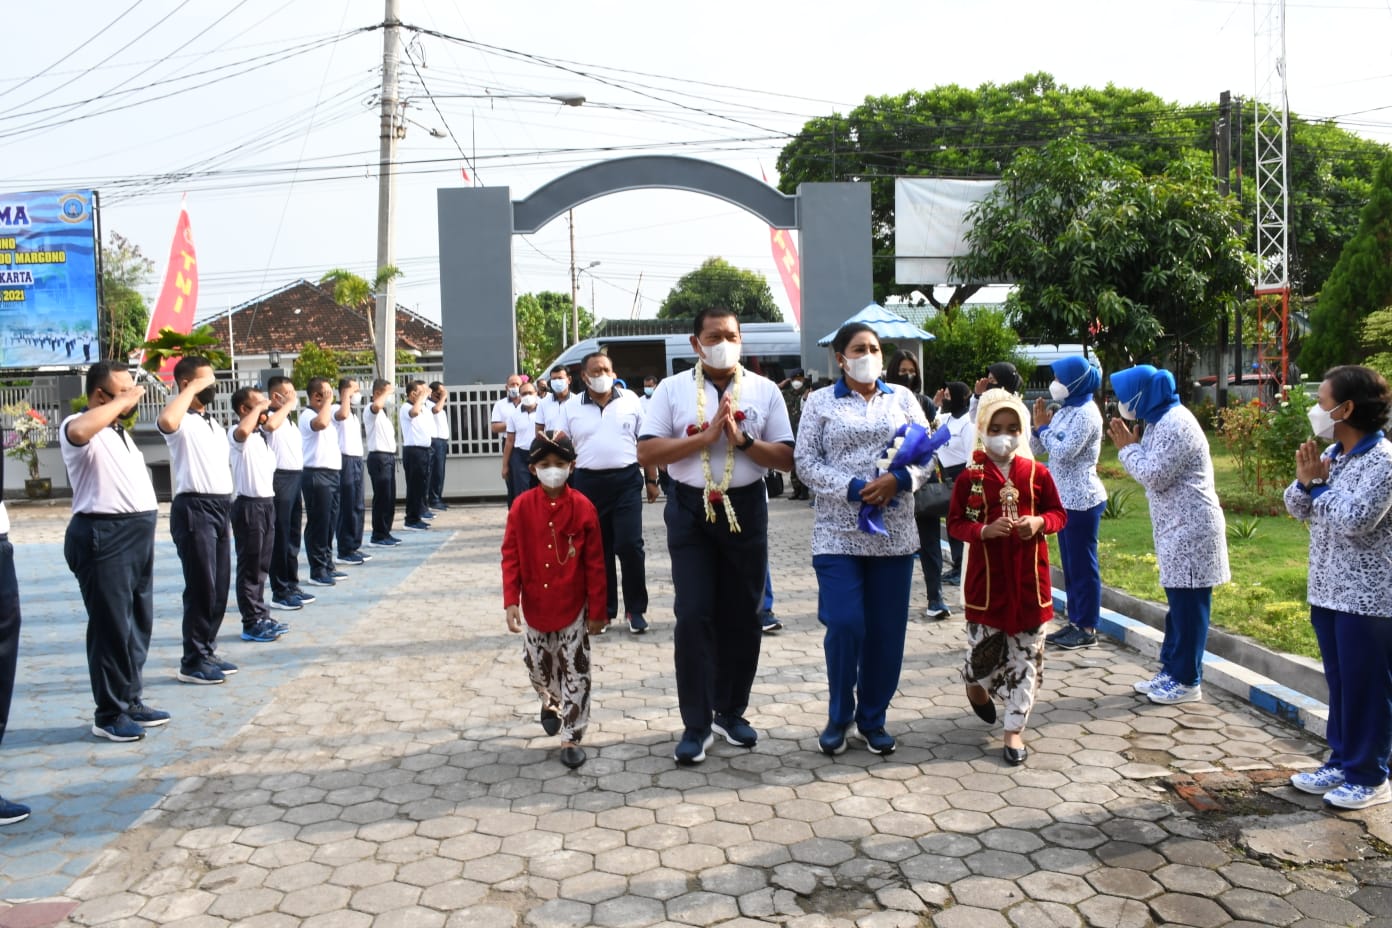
1273	196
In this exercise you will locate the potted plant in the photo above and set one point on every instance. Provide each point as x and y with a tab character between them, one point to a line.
29	433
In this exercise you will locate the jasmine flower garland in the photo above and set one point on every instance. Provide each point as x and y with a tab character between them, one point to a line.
717	492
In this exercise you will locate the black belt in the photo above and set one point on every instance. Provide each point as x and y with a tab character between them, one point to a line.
748	489
204	495
111	516
609	471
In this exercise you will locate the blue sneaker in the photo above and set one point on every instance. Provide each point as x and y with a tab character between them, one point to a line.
12	812
325	580
262	631
417	526
145	717
339	575
227	667
304	598
365	557
352	558
636	623
735	730
832	740
204	674
123	729
427	515
440	504
878	741
692	747
768	622
388	542
280	627
288	603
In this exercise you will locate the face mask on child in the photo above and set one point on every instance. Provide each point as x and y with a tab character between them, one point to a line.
1001	446
553	478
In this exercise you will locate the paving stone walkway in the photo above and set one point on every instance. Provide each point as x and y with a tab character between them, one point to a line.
388	770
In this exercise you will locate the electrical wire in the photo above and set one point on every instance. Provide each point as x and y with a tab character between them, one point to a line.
89	40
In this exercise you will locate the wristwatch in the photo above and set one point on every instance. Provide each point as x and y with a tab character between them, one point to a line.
1315	482
746	442
650	481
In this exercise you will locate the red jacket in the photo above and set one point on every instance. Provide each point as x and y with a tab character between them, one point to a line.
1007	585
553	559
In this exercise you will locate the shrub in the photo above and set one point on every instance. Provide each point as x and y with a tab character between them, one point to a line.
1240	425
1118	503
1286	426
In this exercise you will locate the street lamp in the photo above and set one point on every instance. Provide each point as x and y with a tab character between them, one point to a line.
575	289
586	269
565	99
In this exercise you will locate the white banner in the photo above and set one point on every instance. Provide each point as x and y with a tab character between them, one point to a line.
930	226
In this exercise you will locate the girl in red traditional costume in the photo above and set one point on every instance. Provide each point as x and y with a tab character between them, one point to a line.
1003	505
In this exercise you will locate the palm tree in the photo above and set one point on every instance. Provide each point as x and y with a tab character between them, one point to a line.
358	293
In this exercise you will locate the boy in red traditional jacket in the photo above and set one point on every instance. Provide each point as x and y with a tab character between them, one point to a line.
1003	505
553	575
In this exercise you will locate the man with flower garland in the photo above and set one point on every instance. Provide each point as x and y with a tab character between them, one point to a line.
717	430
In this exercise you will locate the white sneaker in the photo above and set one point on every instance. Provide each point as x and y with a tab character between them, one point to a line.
1318	781
1173	692
1349	796
1145	686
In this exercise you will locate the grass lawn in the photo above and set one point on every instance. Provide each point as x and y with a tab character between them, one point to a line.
1266	598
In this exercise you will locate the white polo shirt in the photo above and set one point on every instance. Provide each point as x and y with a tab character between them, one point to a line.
673	408
198	455
417	431
350	433
4	520
287	446
522	423
107	474
502	410
606	437
253	465
442	423
381	430
553	416
321	447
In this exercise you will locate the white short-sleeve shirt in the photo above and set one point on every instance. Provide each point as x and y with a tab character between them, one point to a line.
253	464
606	437
108	474
522	423
321	447
287	446
442	423
501	411
381	430
673	408
553	416
350	433
198	455
416	431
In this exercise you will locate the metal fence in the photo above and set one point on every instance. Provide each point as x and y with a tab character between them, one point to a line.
41	397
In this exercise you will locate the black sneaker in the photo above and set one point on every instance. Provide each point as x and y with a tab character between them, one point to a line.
1073	638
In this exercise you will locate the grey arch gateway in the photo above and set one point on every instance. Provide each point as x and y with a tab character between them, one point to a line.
477	225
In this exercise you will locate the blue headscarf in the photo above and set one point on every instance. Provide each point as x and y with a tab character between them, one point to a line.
1149	392
1080	377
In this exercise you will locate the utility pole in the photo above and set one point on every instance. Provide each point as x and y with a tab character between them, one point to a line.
385	310
574	279
1222	166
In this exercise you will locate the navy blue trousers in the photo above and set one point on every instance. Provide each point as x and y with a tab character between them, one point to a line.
9	629
253	534
520	479
320	489
352	504
439	450
1357	655
718	580
381	470
618	498
864	604
767	605
201	526
1186	633
1082	576
289	527
113	558
415	461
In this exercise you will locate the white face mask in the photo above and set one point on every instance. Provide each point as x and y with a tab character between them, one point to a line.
529	401
602	384
356	400
560	386
388	400
553	478
513	392
1001	446
647	391
1125	411
797	384
864	369
722	355
1322	422
1058	392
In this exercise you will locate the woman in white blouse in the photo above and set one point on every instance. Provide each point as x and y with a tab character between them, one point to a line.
1344	493
863	580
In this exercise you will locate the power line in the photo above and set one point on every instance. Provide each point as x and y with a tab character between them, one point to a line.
90	39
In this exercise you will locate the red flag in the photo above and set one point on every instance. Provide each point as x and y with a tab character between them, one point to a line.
785	255
178	297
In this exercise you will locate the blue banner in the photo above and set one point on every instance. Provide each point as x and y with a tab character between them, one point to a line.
48	279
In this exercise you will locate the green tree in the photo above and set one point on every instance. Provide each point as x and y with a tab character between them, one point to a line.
1360	283
171	344
312	362
541	320
359	293
124	314
1104	255
717	282
966	343
1377	341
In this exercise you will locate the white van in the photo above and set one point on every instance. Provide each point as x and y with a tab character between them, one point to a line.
770	348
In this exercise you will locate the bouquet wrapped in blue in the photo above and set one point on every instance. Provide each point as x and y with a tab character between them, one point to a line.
912	445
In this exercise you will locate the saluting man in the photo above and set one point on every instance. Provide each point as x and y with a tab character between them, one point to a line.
717	430
604	426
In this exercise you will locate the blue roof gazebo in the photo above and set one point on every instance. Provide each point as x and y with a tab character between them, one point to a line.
887	324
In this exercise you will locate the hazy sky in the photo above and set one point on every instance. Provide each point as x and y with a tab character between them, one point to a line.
277	148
